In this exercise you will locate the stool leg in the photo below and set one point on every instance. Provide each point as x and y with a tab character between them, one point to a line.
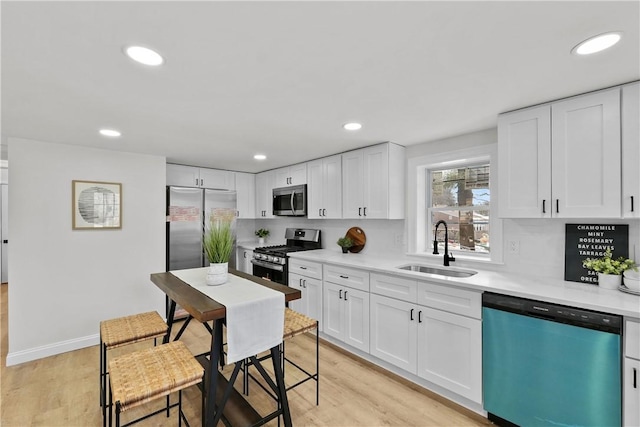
317	363
179	408
103	382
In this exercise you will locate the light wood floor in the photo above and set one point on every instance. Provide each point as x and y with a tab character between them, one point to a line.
62	390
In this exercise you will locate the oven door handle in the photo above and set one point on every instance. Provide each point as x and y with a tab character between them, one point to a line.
270	266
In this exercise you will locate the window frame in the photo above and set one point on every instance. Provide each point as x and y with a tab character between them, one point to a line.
419	192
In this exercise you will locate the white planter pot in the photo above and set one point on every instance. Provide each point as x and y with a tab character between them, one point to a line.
217	274
609	281
261	241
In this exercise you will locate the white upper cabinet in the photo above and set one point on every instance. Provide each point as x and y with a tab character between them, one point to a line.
191	176
324	188
264	194
631	150
373	182
246	195
524	166
561	160
585	153
290	175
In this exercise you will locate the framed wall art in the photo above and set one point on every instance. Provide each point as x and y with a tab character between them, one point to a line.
96	205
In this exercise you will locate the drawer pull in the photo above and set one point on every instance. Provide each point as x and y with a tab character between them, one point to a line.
344	277
303	268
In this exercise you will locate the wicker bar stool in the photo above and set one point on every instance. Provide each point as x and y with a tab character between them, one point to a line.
145	375
123	331
295	323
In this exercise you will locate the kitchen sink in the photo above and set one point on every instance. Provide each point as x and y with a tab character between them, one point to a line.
443	271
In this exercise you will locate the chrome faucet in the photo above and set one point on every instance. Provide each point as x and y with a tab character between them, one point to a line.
447	258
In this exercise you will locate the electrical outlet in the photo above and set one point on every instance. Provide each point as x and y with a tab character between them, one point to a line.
399	239
514	247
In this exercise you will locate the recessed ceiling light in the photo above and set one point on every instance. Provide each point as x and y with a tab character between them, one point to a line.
110	132
260	157
597	43
144	55
352	126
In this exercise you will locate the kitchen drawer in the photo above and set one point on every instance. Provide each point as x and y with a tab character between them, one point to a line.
305	268
632	338
394	287
454	300
357	279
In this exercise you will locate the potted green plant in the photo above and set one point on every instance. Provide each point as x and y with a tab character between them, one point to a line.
609	270
345	243
218	246
261	233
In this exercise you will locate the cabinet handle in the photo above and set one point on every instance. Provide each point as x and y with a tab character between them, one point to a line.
420	316
557	205
319	212
365	211
631	203
345	295
324	211
344	277
304	284
544	206
635	378
359	211
299	283
201	182
302	267
245	255
196	182
340	294
411	314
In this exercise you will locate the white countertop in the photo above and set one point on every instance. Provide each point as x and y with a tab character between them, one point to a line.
544	289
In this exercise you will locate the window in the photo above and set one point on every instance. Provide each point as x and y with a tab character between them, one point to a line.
461	198
456	186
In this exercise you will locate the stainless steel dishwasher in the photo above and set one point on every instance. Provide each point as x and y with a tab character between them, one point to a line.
550	365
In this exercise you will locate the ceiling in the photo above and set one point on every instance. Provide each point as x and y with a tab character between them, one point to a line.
280	78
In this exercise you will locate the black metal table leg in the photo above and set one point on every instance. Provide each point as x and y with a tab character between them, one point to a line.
282	388
214	360
172	311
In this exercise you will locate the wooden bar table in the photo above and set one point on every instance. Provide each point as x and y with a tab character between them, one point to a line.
203	308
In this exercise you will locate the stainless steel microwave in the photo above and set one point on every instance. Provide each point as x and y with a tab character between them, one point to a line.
290	201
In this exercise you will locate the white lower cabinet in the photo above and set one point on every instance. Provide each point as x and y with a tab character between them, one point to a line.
244	260
450	352
346	315
393	332
311	302
440	346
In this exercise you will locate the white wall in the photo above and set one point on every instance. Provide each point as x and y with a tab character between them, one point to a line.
63	282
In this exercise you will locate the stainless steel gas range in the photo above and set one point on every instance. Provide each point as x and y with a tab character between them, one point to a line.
271	262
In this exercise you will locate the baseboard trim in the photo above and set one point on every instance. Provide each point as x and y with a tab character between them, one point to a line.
17	357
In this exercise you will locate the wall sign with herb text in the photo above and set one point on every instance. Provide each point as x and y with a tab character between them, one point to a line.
96	205
584	241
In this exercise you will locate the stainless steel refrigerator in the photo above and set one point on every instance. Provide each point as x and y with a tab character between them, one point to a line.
188	210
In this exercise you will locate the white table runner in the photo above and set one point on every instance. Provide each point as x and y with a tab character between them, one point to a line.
255	313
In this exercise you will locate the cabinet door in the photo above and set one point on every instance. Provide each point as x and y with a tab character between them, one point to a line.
450	352
586	156
331	187
352	185
281	177
315	189
312	291
376	181
524	163
217	179
631	395
332	310
631	151
299	305
246	195
264	195
393	332
298	174
244	260
356	316
183	176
